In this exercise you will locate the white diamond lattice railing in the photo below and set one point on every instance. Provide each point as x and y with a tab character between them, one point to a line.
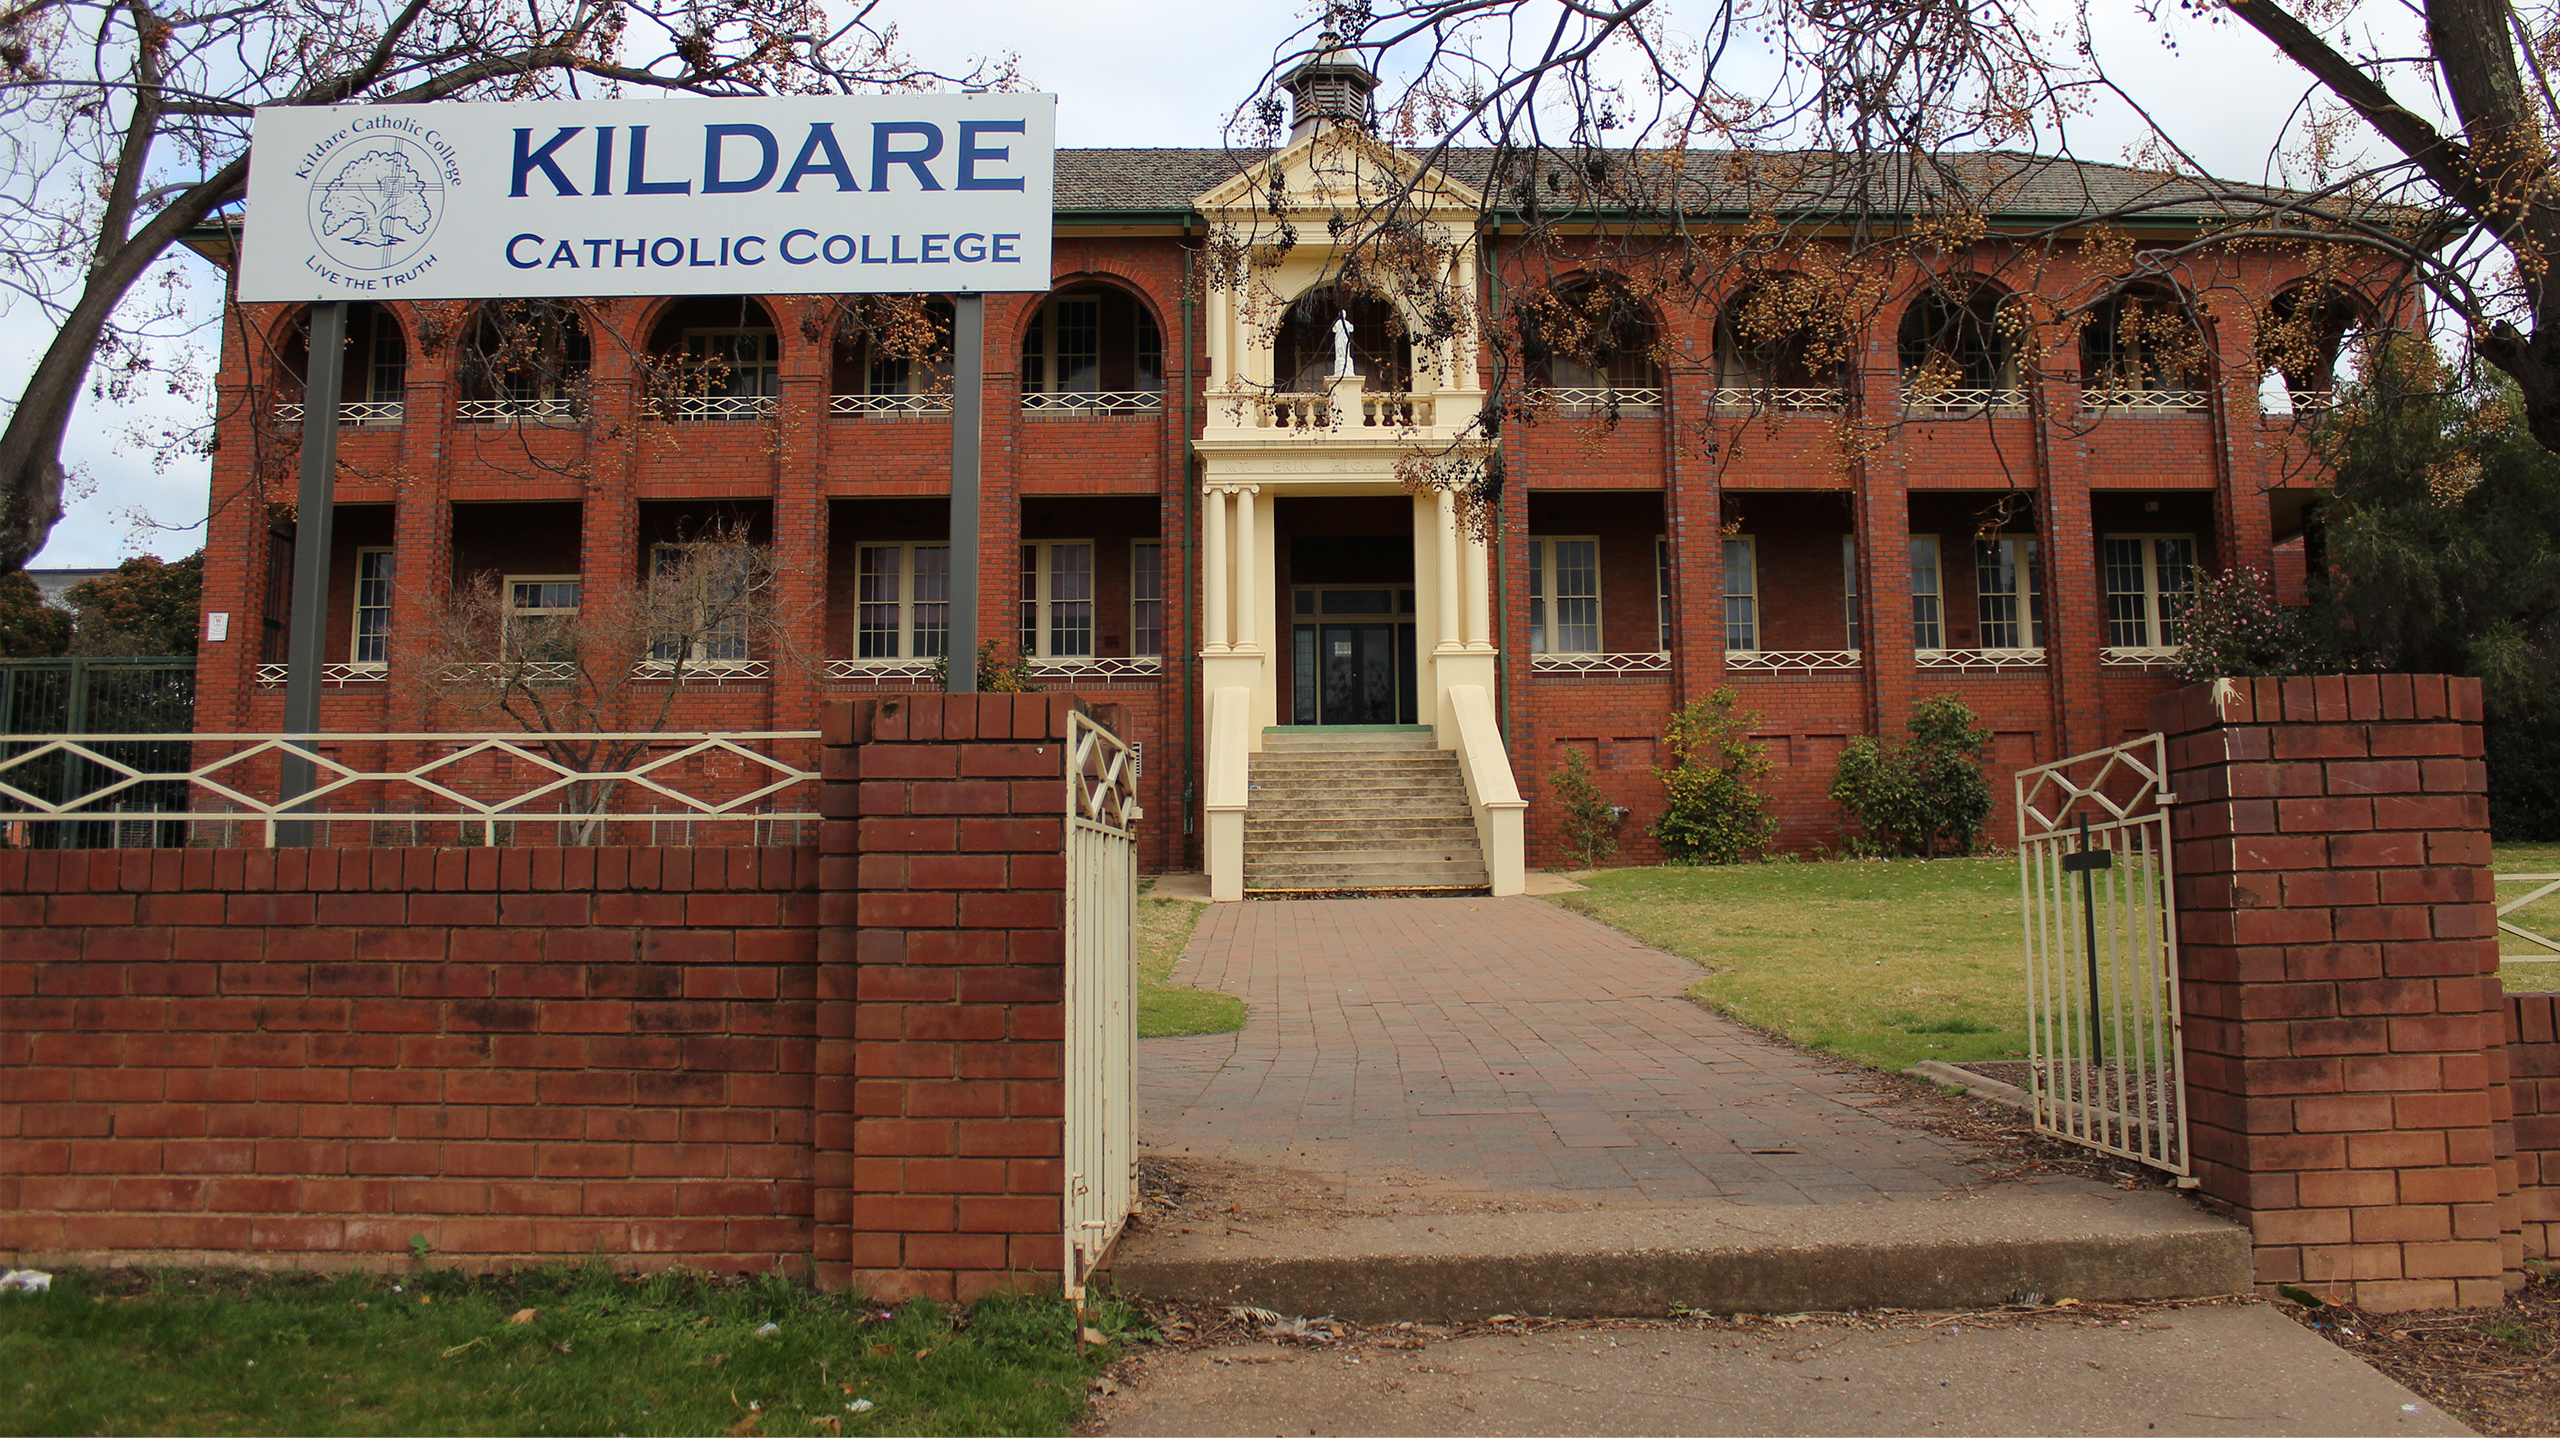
220	790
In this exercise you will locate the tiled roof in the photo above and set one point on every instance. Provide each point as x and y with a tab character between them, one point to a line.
2001	183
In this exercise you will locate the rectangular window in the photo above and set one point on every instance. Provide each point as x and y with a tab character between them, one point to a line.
735	364
1564	595
1849	591
386	367
1741	593
373	607
703	595
1926	632
1662	593
902	597
2149	577
1079	348
1150	355
2004	575
1057	599
1146	597
537	607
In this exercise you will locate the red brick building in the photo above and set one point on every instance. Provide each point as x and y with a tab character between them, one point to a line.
1188	514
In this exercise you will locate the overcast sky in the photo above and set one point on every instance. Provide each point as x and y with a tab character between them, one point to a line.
1167	72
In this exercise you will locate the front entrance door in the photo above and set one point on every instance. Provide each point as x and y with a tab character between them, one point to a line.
1353	655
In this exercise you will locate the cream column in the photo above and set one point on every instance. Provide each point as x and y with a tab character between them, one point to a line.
1214	572
1451	636
1248	634
1479	594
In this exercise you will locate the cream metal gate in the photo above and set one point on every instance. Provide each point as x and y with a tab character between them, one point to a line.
2105	1057
1102	1000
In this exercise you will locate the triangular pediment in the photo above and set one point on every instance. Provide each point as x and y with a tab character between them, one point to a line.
1335	170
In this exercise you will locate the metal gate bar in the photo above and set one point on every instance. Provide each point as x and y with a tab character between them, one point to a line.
2105	1050
1102	1000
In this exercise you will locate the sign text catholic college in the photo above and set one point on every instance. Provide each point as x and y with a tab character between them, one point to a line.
801	195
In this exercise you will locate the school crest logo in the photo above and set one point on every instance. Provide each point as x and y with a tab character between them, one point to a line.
376	199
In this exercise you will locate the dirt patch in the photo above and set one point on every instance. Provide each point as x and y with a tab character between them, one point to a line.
1180	1191
2493	1368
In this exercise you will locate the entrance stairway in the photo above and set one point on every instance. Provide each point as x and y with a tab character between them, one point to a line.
1360	808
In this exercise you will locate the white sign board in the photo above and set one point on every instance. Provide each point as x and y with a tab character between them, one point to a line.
860	194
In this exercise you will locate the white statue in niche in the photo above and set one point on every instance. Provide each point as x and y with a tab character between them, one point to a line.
1342	368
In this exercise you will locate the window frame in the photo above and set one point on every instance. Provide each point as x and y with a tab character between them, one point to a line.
1662	593
1928	633
910	634
2157	623
507	635
1849	618
1544	596
1039	607
356	635
1751	595
1138	602
771	367
2029	623
660	650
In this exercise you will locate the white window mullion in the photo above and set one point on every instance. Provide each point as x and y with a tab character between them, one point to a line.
371	632
1741	594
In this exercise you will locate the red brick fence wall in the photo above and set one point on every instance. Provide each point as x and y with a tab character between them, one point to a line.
2354	1092
844	1061
840	1061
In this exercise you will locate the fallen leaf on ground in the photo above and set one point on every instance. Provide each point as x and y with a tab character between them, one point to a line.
744	1427
524	1315
1095	1335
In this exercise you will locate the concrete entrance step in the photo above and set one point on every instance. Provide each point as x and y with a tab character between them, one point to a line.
1965	1250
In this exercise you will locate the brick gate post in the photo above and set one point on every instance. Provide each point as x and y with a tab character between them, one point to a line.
942	989
2339	960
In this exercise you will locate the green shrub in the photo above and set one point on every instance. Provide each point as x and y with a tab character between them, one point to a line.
1714	812
1923	796
996	673
1590	824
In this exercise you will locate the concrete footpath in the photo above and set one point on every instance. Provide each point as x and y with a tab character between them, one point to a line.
2238	1368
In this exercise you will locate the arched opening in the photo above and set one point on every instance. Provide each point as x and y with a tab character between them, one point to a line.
1773	352
2300	337
1092	349
1591	345
373	372
716	357
891	356
2139	347
1302	349
1957	351
525	362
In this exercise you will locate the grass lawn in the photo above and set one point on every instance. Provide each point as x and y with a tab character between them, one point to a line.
1167	1009
198	1351
1889	963
2540	968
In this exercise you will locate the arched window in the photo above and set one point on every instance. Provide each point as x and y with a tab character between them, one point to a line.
525	362
2300	337
2140	348
892	356
1591	345
1957	352
1302	349
717	357
1092	349
373	375
1772	353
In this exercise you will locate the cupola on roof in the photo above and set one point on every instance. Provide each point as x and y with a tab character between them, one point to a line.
1328	89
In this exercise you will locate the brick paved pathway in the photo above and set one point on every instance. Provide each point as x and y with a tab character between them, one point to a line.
1503	1047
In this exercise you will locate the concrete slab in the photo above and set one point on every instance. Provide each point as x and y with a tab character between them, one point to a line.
1969	1250
2236	1369
1194	887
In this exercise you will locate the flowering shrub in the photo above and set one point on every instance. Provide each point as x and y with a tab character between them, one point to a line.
2231	627
1590	824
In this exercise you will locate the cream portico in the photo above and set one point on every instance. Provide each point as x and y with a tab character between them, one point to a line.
1317	397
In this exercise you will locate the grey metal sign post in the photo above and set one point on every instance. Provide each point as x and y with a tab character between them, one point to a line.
968	403
307	641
